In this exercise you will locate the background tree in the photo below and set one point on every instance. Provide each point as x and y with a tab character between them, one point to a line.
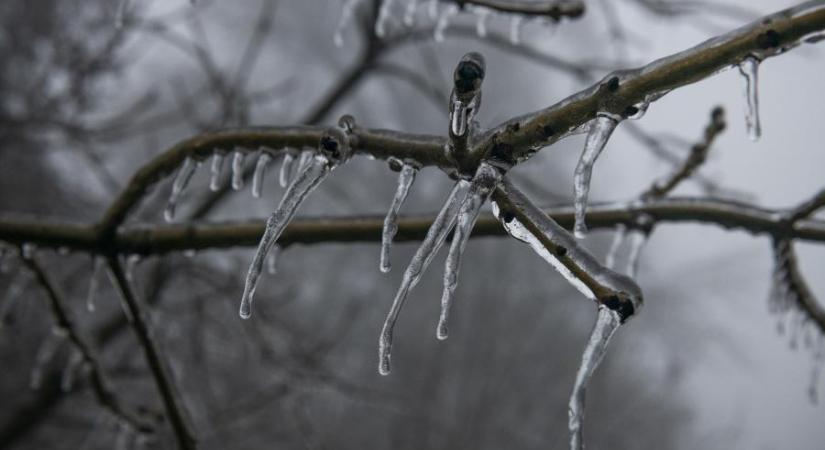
93	91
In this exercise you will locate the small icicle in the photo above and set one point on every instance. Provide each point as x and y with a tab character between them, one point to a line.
131	262
272	260
286	168
12	296
432	9
600	130
481	22
749	68
260	172
45	354
94	282
383	16
68	376
306	181
120	13
237	170
637	241
304	159
615	245
816	370
409	13
443	22
405	180
436	234
481	187
27	250
607	322
346	17
515	29
125	436
217	166
178	185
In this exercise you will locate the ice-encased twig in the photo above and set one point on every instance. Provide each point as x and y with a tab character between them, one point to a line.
749	68
260	172
94	282
405	180
607	322
185	173
303	184
436	234
481	186
600	130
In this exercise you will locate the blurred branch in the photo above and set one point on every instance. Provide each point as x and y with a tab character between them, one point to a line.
554	9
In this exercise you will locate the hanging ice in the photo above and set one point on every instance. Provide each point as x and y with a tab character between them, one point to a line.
819	360
600	130
45	354
68	376
405	180
409	13
637	241
217	165
237	170
383	16
333	151
607	322
94	282
120	14
286	168
749	68
131	262
481	21
260	172
272	261
515	29
346	17
615	246
436	234
12	296
443	22
185	173
482	185
305	158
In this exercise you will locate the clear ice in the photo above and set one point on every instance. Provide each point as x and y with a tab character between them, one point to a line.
749	68
405	181
600	130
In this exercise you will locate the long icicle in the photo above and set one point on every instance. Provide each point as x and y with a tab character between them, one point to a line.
749	68
436	234
600	130
178	185
607	322
481	187
306	181
405	180
260	172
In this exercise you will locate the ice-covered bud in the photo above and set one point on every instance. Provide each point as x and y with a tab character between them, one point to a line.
334	145
468	75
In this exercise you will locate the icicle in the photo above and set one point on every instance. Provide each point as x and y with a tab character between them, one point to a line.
432	9
515	29
306	181
123	304
120	13
272	260
749	68
405	180
94	282
443	22
637	240
346	17
44	354
67	377
436	234
12	296
131	262
217	165
125	435
607	322
600	130
237	170
27	250
383	16
816	371
178	185
409	13
481	22
304	159
615	245
258	176
481	187
286	168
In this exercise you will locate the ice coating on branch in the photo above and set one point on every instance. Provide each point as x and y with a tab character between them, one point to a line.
481	21
94	282
334	149
600	130
260	172
383	16
432	242
749	68
481	186
68	376
607	322
237	170
185	173
215	172
272	260
515	29
286	168
44	355
466	96
409	13
405	180
444	21
346	17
